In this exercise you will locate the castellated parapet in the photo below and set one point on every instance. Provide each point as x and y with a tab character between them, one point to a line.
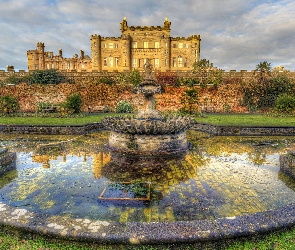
125	53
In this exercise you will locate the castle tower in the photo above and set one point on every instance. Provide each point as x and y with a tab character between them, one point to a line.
40	49
126	62
96	52
166	46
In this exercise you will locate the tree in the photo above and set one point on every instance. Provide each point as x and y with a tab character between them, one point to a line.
264	69
189	98
201	68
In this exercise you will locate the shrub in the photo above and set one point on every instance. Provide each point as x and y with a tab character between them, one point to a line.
190	82
124	107
13	80
50	76
8	104
135	77
107	80
73	104
285	103
263	93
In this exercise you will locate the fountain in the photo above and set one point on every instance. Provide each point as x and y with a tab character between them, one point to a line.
145	186
149	133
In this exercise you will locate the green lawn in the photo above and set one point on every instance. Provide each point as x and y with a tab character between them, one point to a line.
54	121
246	120
217	119
277	240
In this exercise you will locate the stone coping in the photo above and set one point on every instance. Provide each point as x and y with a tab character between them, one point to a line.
98	126
83	229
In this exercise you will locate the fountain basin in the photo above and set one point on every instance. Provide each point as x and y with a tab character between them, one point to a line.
223	189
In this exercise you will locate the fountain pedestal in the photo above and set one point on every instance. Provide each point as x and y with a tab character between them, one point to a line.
149	133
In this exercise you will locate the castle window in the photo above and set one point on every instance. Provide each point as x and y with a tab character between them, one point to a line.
185	62
157	45
186	45
145	45
134	63
165	62
179	61
111	45
174	45
33	57
116	46
105	61
111	61
174	62
117	62
134	45
94	44
125	62
180	45
104	45
166	45
196	53
157	63
82	66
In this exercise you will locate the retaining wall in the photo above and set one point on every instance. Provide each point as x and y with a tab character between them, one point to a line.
94	127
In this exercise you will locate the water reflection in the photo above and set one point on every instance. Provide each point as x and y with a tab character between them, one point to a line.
221	176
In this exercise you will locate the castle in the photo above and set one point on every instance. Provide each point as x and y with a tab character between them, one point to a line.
125	53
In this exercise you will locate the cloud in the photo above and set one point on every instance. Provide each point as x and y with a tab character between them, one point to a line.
235	34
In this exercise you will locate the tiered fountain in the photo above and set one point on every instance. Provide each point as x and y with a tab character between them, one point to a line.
149	133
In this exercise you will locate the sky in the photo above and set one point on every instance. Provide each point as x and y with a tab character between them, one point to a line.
235	34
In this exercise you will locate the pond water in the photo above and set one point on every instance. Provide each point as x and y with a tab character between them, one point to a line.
76	176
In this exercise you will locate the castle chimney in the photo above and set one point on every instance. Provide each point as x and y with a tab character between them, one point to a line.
60	52
82	54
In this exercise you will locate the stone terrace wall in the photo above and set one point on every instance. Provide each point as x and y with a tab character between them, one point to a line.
227	96
94	95
94	74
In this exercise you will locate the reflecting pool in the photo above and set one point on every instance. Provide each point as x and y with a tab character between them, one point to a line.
76	176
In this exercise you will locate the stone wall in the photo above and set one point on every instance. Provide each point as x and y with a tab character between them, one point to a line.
51	130
244	74
244	131
94	127
7	161
287	164
95	95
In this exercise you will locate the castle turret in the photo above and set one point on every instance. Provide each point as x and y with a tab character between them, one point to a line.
124	25
167	24
126	41
96	52
41	57
166	46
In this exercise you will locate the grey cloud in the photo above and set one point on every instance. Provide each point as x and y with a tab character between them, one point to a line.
235	34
